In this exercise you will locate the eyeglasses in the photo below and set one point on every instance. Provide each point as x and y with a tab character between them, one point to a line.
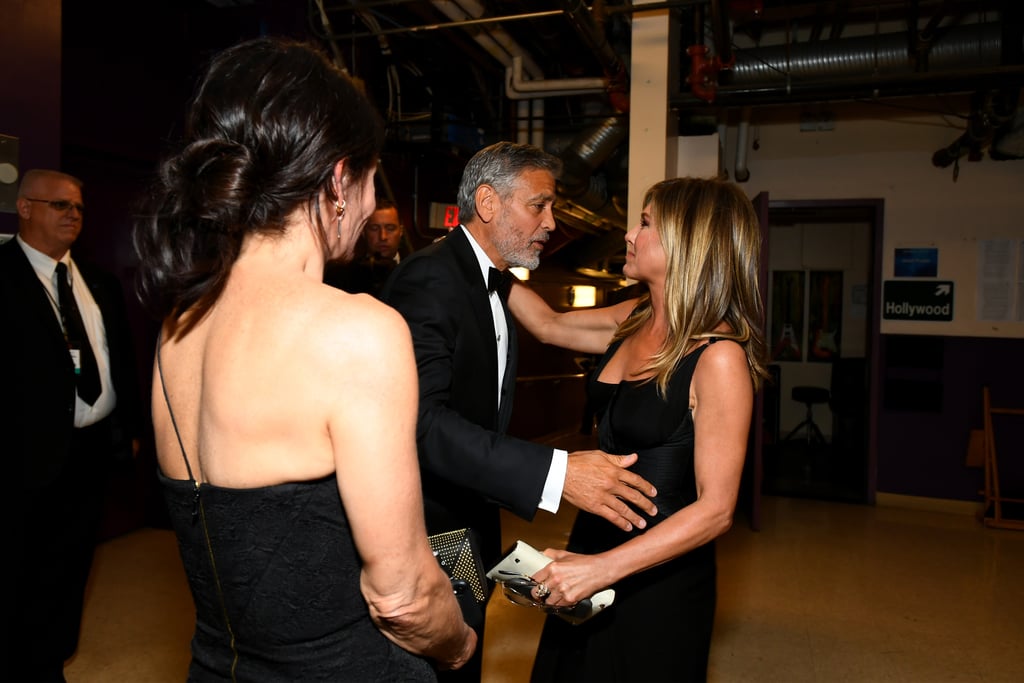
60	204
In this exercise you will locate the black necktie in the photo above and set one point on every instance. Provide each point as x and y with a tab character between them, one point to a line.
88	375
499	281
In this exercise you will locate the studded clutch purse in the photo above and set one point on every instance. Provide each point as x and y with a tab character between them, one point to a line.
459	556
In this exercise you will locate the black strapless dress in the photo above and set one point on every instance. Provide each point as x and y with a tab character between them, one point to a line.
659	628
289	575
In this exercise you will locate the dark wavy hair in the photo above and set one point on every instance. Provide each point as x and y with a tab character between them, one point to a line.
270	119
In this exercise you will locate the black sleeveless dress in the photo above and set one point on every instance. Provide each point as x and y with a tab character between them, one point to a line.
659	628
274	575
289	575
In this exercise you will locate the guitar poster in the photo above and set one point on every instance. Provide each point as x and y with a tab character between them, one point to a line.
824	315
787	315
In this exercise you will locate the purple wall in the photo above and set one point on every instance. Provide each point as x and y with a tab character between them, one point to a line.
30	80
932	399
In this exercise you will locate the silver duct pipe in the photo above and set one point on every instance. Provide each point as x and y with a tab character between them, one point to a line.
964	47
583	156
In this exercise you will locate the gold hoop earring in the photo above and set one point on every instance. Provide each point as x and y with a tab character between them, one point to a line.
339	211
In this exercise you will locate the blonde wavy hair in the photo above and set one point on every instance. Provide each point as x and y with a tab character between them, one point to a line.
711	236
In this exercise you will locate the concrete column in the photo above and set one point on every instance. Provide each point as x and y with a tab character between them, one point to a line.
649	154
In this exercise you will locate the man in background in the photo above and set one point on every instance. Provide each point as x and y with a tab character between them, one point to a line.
383	233
69	401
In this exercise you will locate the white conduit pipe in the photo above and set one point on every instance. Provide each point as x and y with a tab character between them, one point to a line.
723	130
537	123
518	89
496	41
523	122
742	131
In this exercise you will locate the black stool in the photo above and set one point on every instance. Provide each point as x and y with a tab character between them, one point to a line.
809	396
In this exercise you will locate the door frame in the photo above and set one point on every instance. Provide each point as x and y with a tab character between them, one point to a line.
874	210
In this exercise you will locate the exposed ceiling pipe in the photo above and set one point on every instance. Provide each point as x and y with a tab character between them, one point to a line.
990	112
873	66
742	131
720	33
584	155
593	36
921	41
518	88
839	20
705	66
530	122
498	43
962	48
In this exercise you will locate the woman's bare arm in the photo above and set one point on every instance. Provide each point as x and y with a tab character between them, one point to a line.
586	330
723	401
372	431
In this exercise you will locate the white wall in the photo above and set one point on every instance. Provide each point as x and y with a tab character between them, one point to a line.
867	159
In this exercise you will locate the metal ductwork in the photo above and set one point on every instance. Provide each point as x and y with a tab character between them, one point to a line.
869	66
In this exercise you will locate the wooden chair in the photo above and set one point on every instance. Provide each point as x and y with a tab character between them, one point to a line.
994	498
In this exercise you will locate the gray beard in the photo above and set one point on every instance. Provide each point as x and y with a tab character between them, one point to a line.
516	257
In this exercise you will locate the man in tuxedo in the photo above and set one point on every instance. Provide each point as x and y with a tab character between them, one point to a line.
69	401
367	274
465	345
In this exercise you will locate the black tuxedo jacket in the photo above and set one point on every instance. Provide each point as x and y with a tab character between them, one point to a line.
469	466
37	381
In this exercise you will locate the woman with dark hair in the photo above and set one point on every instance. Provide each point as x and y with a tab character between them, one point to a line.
675	385
286	450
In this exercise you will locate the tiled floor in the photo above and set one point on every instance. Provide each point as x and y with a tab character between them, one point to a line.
824	592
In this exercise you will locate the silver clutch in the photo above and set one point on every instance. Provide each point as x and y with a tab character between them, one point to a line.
515	571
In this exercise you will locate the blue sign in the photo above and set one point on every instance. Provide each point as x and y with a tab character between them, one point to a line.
917	262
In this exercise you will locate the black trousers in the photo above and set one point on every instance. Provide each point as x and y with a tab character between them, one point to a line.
54	530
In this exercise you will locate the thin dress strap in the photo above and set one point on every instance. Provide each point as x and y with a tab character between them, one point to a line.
198	513
174	423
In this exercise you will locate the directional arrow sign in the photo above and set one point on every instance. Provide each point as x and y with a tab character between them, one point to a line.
917	300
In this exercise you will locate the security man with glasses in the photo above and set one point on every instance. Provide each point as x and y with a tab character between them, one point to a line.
69	403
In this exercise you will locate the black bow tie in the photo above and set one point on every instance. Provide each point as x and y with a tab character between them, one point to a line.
499	281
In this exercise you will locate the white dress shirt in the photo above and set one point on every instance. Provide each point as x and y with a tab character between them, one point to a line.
45	268
551	496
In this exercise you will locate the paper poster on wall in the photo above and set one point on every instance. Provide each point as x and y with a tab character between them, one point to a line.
824	315
787	315
999	280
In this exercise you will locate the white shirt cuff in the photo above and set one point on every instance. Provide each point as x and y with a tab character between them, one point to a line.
551	497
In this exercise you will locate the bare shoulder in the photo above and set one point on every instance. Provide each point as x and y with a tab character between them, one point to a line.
353	328
724	359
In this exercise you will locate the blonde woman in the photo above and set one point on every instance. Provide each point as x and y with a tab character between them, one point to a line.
675	384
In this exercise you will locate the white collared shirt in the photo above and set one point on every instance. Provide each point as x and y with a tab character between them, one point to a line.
551	497
497	310
45	268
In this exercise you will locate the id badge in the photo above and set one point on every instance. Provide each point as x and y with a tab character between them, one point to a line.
76	358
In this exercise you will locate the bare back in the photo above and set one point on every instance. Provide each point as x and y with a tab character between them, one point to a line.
256	384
